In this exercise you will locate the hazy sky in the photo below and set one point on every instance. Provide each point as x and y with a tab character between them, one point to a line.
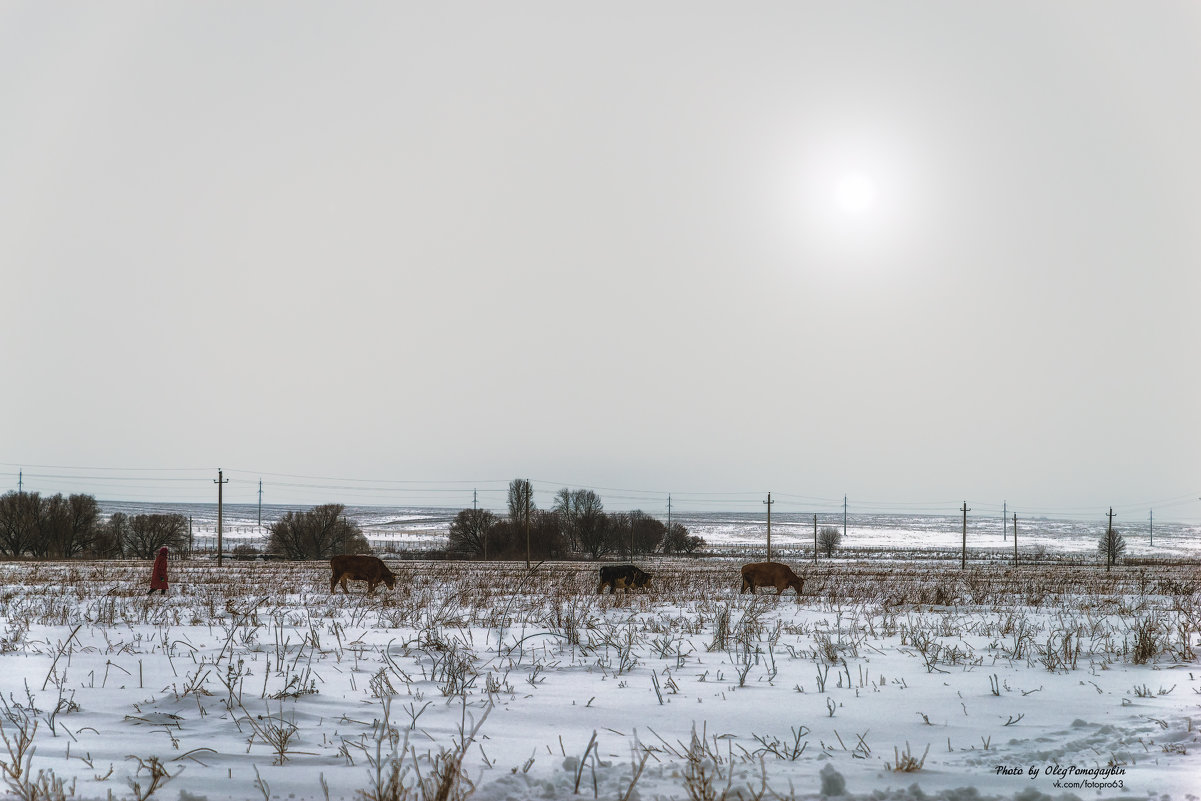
916	253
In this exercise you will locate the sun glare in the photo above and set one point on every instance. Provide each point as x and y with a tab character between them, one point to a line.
855	193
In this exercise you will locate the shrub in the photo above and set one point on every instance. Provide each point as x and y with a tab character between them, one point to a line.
319	533
828	540
54	526
244	551
678	540
469	532
145	534
1146	641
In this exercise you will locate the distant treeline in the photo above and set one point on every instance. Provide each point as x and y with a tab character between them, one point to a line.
58	527
575	525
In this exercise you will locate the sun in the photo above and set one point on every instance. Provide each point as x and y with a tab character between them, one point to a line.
855	193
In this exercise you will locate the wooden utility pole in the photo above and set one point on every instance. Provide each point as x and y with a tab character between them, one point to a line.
260	503
844	518
1152	528
1109	544
220	481
963	557
769	502
529	492
815	539
1015	538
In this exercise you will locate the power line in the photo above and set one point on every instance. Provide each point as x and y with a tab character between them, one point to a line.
146	482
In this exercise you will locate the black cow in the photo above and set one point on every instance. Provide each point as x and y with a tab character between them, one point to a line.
623	576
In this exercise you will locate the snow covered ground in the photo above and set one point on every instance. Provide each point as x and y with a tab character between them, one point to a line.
405	528
887	680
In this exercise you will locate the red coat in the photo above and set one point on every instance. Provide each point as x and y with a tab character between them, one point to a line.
158	574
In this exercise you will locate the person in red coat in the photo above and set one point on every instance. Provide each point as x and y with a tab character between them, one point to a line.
158	574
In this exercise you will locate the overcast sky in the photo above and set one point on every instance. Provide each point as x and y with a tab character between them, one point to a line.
914	253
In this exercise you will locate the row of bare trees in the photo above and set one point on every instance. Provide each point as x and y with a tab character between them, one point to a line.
58	527
576	524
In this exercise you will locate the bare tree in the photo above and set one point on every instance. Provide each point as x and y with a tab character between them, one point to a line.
319	533
71	525
546	534
521	500
19	522
521	508
469	532
638	533
678	540
145	534
594	532
572	506
828	540
110	536
1111	545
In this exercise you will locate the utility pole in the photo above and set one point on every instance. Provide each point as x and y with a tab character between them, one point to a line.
260	503
815	539
769	502
1015	538
527	526
844	519
1004	517
1109	541
20	482
669	513
963	557
475	519
220	481
1152	528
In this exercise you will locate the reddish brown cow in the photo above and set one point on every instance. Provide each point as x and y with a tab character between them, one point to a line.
771	574
359	567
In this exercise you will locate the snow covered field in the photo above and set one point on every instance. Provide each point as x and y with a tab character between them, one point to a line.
886	680
409	528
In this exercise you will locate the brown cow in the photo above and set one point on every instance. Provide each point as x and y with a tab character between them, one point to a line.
771	574
359	567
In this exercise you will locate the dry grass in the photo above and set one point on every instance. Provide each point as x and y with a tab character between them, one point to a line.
283	612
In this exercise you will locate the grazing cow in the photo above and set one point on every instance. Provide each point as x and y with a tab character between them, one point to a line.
359	567
624	576
771	574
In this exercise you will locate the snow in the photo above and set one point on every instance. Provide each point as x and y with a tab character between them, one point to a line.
406	529
1001	683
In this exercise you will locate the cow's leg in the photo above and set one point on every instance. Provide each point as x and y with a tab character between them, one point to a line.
333	582
345	589
371	585
600	587
745	584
